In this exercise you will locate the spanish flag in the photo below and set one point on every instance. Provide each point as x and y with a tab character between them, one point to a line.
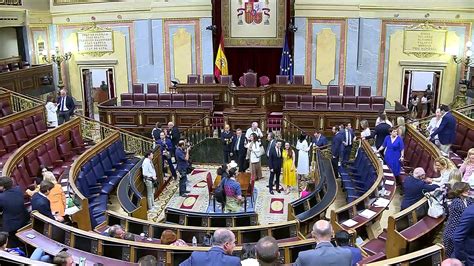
221	67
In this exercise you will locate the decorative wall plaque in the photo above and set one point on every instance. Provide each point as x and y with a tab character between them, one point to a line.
95	41
424	40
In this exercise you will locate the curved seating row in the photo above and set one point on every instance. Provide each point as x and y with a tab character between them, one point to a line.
334	102
175	100
187	218
18	128
464	135
100	170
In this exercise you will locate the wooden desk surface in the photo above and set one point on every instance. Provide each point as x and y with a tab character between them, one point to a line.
52	247
242	178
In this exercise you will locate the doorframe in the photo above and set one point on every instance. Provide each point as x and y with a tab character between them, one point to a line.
430	66
102	64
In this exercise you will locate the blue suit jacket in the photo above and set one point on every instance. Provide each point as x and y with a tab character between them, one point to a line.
447	129
322	141
214	257
464	237
336	146
414	188
181	163
275	162
165	145
15	215
42	205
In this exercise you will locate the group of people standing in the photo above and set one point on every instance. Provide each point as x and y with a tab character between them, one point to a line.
59	110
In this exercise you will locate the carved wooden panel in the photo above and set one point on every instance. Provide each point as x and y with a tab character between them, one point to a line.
94	246
67	238
126	253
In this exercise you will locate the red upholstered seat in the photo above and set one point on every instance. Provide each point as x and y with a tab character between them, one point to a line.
193	79
335	103
177	103
363	103
333	90
45	160
139	99
378	103
5	108
126	97
65	148
467	144
298	79
241	81
348	90
373	258
30	128
291	105
250	80
137	88
226	79
374	246
151	99
19	132
32	164
365	91
152	88
306	102
264	80
164	103
461	132
127	102
165	96
207	79
321	102
54	154
8	138
177	97
291	98
77	141
282	79
191	99
422	227
3	153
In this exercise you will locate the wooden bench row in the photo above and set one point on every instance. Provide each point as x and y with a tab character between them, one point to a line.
189	218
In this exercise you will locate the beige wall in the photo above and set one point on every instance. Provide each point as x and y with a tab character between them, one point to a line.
9	45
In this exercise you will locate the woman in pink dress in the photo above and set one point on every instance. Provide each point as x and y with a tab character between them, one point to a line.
310	187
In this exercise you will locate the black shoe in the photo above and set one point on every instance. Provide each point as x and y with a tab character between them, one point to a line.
184	195
187	191
279	191
271	192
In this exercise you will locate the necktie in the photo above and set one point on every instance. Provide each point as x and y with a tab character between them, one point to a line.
62	103
278	152
237	144
347	137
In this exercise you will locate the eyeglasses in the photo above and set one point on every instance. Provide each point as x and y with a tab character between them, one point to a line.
44	170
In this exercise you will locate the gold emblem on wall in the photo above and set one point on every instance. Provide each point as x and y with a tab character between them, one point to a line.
95	41
424	40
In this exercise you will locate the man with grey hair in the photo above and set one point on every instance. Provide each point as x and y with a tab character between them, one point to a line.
324	253
116	231
253	129
223	244
65	106
267	251
414	187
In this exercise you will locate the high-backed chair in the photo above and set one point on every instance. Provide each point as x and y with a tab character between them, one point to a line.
250	80
151	99
152	87
282	79
191	99
321	102
225	79
365	90
207	100
348	90
298	79
178	100
333	90
45	160
306	102
378	103
193	79
207	79
264	80
8	138
126	99
363	103
139	99
19	132
30	128
40	123
137	88
241	81
65	148
335	103
350	103
32	164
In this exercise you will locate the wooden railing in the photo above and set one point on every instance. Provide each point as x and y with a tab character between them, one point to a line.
428	256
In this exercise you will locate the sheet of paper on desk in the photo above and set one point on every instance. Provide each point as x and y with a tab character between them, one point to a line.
389	182
71	210
385	167
388	174
349	223
367	213
381	202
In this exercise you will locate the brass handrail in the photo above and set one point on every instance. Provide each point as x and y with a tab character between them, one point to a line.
198	131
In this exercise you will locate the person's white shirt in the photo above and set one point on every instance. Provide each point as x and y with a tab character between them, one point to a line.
62	100
51	114
254	148
424	100
365	133
148	170
250	262
250	131
433	125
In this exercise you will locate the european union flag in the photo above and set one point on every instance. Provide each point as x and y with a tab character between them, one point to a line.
286	61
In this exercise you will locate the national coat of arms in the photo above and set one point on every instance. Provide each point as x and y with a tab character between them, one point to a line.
255	12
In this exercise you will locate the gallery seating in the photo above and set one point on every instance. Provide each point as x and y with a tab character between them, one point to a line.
167	100
334	102
464	137
189	218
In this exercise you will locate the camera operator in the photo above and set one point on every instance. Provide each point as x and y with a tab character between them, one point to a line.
182	159
149	178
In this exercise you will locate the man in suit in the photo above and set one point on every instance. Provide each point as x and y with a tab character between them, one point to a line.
40	201
66	107
319	139
155	133
182	164
336	146
271	143
166	147
380	131
15	215
239	151
464	237
174	135
324	253
227	137
415	186
343	241
267	251
348	139
447	129
223	244
274	164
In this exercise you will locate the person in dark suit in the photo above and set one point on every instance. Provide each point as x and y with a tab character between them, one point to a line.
227	137
464	237
239	151
380	131
223	244
166	146
155	133
66	107
319	139
274	164
348	140
41	203
174	135
271	143
415	186
447	129
325	254
336	146
15	215
182	165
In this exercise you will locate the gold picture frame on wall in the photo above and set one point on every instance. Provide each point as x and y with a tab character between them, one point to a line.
95	41
253	24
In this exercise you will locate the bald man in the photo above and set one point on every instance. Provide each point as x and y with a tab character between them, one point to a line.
325	254
451	262
223	244
254	129
267	251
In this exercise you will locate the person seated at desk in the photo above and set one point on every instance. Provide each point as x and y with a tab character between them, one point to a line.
41	203
168	237
310	187
415	186
233	193
63	259
115	231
